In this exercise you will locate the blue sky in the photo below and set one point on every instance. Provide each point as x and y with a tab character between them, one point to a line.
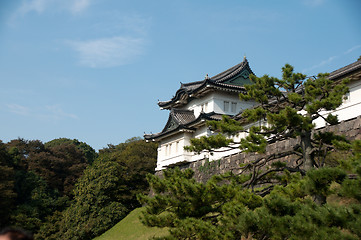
94	69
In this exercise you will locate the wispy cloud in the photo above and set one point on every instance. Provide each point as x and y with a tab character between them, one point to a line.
322	63
78	6
330	59
49	112
108	52
352	49
56	112
34	5
40	6
18	109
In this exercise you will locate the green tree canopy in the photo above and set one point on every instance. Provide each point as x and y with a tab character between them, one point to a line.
89	152
137	158
106	192
7	189
41	180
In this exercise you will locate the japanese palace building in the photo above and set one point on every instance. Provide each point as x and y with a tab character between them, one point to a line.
193	104
196	102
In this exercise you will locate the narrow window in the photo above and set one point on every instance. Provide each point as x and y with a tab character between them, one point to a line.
226	106
233	107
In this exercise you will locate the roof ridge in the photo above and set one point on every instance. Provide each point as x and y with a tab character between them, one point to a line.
219	76
346	69
193	83
182	110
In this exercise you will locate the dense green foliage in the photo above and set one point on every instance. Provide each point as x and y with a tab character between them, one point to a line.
223	209
37	180
88	151
136	158
7	189
63	189
106	192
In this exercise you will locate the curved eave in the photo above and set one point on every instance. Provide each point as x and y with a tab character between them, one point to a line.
189	90
183	98
159	136
189	127
182	95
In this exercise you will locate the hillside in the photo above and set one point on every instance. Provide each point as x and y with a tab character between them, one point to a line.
131	228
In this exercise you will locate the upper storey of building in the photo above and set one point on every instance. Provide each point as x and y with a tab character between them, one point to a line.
209	99
231	80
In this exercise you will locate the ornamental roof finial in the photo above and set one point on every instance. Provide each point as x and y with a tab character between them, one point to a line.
244	57
206	77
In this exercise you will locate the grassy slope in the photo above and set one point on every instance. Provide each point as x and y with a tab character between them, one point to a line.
131	228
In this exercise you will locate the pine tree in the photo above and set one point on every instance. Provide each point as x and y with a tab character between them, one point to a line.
296	203
223	209
287	108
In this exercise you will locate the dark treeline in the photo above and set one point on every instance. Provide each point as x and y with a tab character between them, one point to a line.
64	189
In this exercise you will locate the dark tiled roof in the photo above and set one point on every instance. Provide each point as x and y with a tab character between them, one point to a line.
182	119
345	71
183	116
221	80
193	85
229	73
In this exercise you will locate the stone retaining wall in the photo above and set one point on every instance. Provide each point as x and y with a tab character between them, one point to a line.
205	169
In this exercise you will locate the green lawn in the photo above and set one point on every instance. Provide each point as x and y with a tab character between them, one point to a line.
130	228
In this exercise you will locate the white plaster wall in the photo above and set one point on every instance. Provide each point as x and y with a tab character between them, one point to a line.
215	102
202	131
349	109
220	98
175	151
196	105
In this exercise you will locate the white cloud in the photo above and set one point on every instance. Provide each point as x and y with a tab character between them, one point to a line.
330	59
108	52
322	63
30	6
18	109
352	49
50	112
79	6
56	112
40	6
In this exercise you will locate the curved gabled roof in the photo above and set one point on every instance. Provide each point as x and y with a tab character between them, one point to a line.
181	120
232	79
232	72
178	117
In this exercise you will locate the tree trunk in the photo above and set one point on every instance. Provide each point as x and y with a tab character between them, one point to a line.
306	147
319	199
